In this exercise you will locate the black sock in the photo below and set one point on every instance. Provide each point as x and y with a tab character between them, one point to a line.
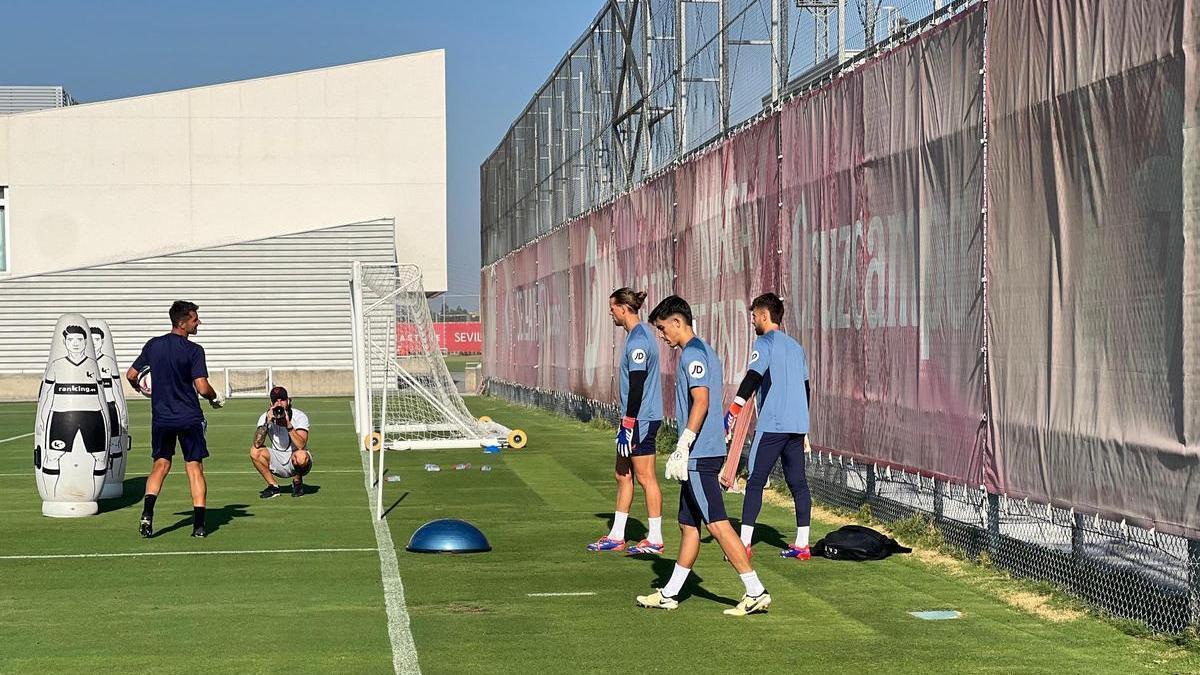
148	506
197	516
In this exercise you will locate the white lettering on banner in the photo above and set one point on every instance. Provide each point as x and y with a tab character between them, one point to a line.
595	309
881	274
526	304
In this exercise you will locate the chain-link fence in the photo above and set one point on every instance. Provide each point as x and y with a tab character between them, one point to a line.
1125	571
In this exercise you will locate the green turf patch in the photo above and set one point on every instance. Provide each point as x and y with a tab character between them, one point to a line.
224	613
537	603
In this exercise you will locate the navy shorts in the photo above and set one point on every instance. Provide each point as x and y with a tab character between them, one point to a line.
701	499
190	437
644	436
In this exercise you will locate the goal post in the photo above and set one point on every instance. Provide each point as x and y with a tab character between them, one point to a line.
248	382
404	396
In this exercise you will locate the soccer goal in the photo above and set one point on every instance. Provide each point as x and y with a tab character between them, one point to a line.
404	397
248	382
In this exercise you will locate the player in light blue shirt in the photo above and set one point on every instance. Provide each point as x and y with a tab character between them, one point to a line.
697	460
641	407
778	372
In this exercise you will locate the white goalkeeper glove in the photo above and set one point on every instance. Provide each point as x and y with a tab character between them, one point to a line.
217	402
677	463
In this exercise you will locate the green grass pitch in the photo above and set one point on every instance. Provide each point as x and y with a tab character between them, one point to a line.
238	612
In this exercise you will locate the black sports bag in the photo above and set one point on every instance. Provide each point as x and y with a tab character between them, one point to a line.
855	542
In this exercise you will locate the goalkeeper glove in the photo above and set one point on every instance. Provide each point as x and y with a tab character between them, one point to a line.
735	409
625	437
217	401
677	463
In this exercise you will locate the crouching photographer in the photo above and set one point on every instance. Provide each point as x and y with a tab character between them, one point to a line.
280	446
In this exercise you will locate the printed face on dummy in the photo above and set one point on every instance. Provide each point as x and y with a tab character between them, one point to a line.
98	342
75	343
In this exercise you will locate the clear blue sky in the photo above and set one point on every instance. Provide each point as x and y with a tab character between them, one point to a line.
497	54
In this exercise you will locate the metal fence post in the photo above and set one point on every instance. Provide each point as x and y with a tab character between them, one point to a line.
993	523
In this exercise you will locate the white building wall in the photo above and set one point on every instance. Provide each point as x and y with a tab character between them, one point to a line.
148	176
281	302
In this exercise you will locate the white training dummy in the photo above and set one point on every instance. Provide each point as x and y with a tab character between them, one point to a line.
118	414
71	434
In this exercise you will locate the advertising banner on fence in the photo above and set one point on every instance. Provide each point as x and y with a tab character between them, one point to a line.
882	194
1093	288
862	204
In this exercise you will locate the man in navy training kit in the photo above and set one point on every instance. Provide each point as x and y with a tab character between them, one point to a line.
697	461
179	371
778	372
641	403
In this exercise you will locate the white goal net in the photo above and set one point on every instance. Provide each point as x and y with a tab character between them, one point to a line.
404	397
248	382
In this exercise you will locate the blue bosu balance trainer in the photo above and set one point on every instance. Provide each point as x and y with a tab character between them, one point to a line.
448	535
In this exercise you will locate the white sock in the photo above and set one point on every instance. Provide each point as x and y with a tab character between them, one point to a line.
801	536
754	587
675	585
747	534
618	529
655	535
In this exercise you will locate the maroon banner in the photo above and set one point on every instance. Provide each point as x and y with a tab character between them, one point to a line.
593	335
525	321
646	261
882	187
554	301
1094	291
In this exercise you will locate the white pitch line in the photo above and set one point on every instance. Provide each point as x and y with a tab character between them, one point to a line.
16	438
558	595
147	554
404	651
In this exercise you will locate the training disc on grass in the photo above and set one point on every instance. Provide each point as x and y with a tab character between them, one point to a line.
938	615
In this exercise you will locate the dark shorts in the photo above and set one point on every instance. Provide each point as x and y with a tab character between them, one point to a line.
701	499
66	424
644	436
190	438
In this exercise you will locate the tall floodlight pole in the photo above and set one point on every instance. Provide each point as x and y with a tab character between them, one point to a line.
647	86
681	80
722	65
779	55
841	31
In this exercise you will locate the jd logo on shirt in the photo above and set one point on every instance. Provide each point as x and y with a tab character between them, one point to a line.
696	370
639	356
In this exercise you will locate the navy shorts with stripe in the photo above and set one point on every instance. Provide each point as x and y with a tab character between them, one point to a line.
701	499
644	435
190	438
